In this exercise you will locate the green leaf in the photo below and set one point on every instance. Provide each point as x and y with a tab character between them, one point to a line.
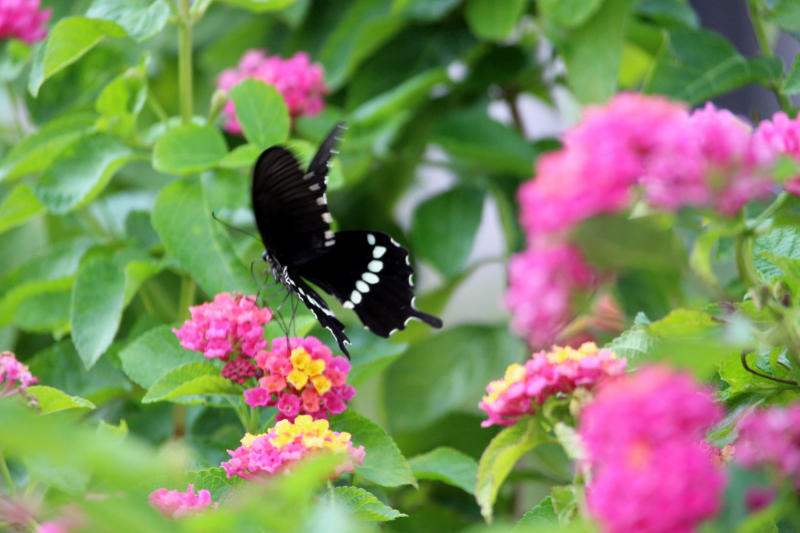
18	207
592	52
492	20
499	458
633	345
569	13
405	96
216	481
447	465
541	515
369	356
45	313
470	134
153	355
780	242
565	502
447	372
188	149
13	59
669	12
367	25
641	243
262	112
383	462
790	268
243	156
784	13
444	228
63	477
192	379
37	151
51	400
700	64
791	84
182	218
81	172
425	10
260	6
364	505
121	101
139	20
51	271
68	41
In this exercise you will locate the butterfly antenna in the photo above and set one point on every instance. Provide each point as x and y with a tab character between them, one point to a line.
234	228
292	323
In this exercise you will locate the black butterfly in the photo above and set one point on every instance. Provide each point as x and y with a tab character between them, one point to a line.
367	271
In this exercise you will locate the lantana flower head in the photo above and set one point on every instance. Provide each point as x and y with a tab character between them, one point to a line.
775	138
14	376
22	19
559	371
300	81
301	378
543	284
649	470
233	324
287	443
770	438
175	504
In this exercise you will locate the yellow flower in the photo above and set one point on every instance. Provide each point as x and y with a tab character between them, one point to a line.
297	378
514	374
300	358
304	369
322	384
248	439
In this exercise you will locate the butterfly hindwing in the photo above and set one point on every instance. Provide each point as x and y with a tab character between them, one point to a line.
321	311
367	271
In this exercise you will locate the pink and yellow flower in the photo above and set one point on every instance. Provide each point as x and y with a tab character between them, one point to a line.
175	504
301	378
287	443
561	371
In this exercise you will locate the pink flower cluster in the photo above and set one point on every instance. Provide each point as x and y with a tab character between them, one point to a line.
302	377
298	79
285	444
560	371
14	376
776	138
230	325
175	504
650	473
51	527
21	19
771	438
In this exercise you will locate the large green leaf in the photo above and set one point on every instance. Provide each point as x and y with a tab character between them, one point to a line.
262	112
447	372
18	207
783	13
68	41
191	380
37	151
50	400
425	10
700	64
500	457
45	313
188	149
153	355
780	242
569	13
445	226
383	462
369	355
81	172
182	217
363	505
139	20
492	20
592	52
447	465
366	26
541	515
214	480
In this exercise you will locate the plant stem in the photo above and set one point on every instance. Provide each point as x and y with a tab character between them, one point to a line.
12	96
744	260
763	43
185	89
187	298
7	475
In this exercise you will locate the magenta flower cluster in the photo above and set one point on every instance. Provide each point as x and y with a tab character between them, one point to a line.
175	504
51	527
14	376
560	371
22	19
299	80
649	471
770	438
231	325
302	377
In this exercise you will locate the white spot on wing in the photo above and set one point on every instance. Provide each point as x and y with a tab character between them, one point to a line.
411	279
371	239
355	297
314	187
361	286
375	266
348	304
393	331
322	200
329	235
330	243
369	277
378	252
327	217
394	242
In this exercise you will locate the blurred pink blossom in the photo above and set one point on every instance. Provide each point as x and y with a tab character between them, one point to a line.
779	137
543	283
21	19
771	438
230	325
306	380
299	80
562	370
51	527
14	376
649	471
175	504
